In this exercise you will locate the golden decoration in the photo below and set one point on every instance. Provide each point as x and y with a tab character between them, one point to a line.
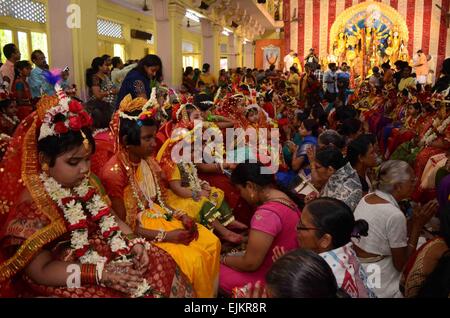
387	10
129	105
56	228
44	104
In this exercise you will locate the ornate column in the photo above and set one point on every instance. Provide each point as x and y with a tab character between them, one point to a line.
232	51
168	15
83	40
249	55
211	49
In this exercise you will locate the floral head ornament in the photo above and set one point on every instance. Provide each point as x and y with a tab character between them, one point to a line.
59	115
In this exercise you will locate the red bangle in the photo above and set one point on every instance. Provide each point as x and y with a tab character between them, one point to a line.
88	274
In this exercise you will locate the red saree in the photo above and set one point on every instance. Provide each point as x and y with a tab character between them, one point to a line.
33	223
27	220
104	150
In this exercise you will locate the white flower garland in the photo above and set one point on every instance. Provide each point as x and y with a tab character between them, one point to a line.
194	181
444	125
141	205
76	218
431	135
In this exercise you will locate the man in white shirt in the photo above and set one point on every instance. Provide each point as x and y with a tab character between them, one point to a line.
288	61
422	68
330	80
119	71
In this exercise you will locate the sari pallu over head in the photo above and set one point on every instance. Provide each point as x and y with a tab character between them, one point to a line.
20	170
21	173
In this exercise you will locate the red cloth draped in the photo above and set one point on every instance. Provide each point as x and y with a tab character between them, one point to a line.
241	210
104	150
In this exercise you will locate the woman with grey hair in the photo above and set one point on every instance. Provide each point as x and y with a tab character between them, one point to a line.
385	251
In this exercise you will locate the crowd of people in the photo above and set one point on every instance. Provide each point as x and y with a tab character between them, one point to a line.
357	207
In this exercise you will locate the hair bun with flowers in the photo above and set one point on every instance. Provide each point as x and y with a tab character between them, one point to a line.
59	114
148	109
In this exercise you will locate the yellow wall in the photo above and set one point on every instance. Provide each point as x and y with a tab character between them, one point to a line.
17	25
134	49
194	38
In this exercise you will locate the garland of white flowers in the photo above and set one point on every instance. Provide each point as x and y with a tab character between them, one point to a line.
431	135
194	181
159	197
76	218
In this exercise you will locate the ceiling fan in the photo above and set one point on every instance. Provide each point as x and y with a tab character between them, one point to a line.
145	7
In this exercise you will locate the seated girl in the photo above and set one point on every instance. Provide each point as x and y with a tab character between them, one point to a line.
132	180
101	113
60	221
309	132
187	192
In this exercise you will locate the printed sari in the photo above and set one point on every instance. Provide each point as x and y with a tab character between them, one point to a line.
200	259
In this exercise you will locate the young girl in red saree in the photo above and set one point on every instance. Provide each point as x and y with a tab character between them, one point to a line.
60	237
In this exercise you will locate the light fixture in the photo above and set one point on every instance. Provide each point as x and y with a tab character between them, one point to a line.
225	33
228	30
145	7
192	16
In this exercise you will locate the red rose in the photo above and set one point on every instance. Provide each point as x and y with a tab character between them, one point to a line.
61	128
85	118
75	106
75	123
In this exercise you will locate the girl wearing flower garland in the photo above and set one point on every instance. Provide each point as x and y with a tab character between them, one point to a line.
133	182
61	239
186	191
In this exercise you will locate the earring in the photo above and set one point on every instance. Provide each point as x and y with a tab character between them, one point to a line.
45	167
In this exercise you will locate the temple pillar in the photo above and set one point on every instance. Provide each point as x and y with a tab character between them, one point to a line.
168	19
211	49
83	41
249	55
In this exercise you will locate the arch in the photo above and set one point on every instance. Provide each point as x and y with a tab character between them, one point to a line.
387	11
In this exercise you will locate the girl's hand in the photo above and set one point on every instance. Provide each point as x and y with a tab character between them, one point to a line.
310	197
278	252
121	277
190	225
140	259
205	186
423	214
256	291
205	193
179	237
311	153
